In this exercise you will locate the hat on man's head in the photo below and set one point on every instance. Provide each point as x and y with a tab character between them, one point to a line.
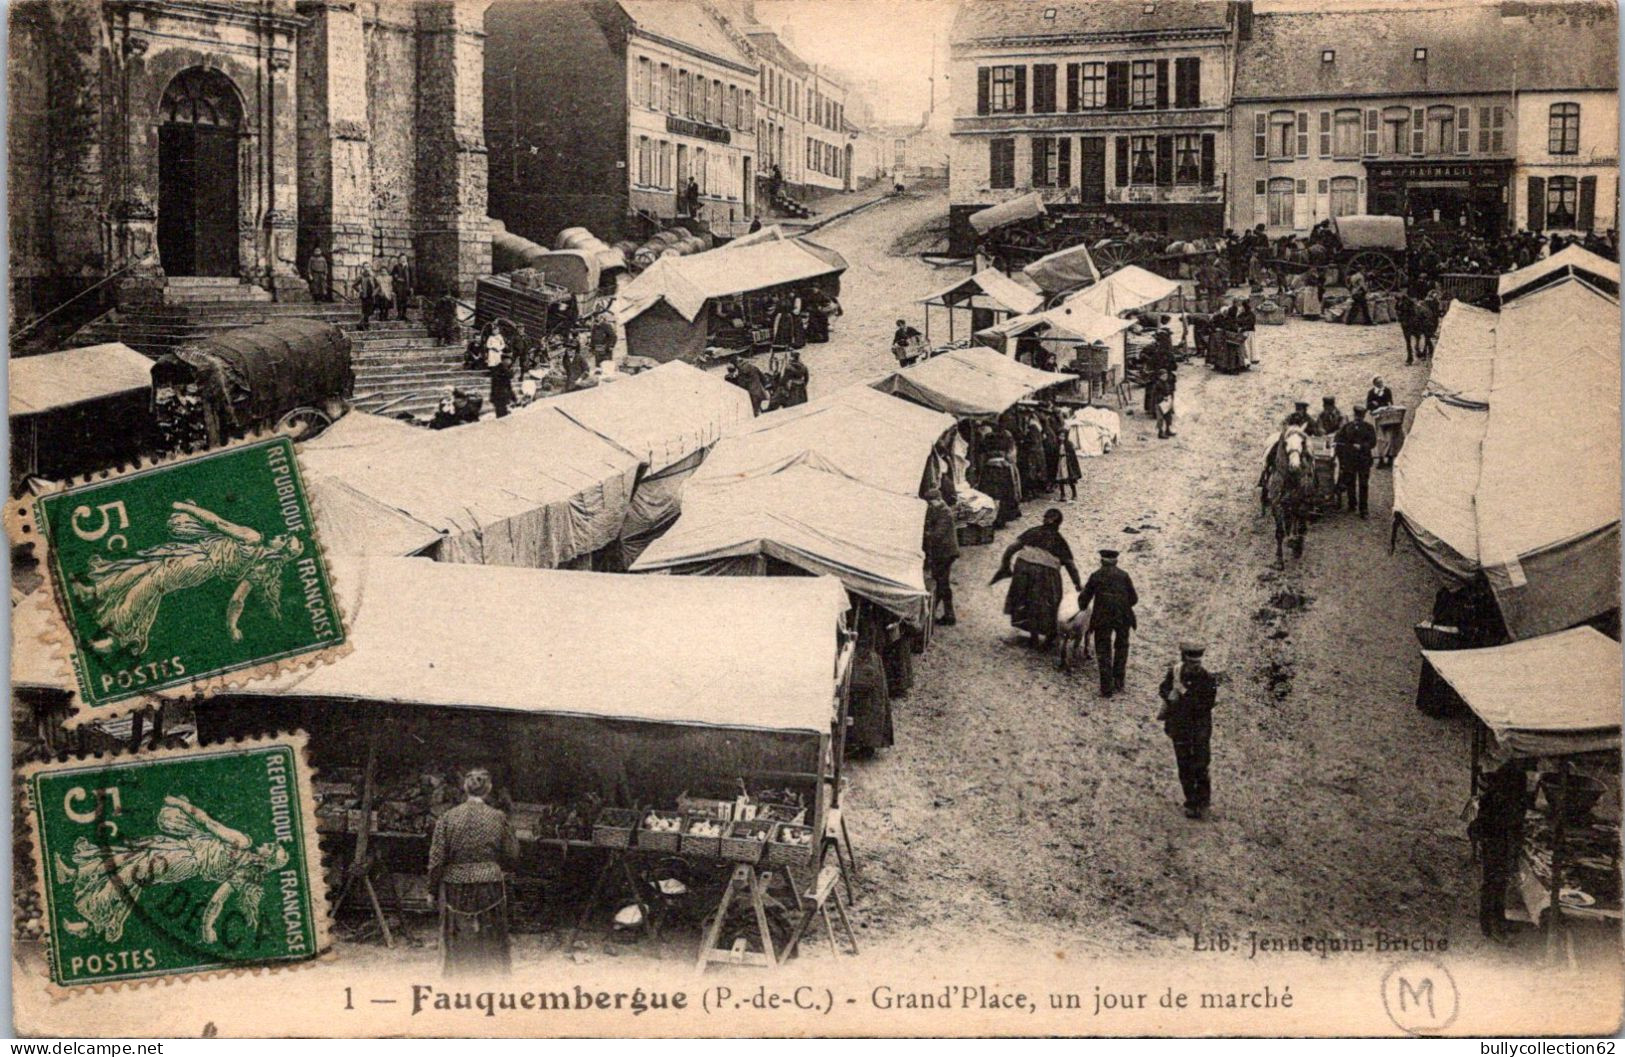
1108	555
1359	409
1302	405
1191	650
1328	399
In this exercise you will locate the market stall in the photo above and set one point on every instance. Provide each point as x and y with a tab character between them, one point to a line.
989	296
971	383
78	410
1077	338
1132	289
1545	774
534	489
1571	262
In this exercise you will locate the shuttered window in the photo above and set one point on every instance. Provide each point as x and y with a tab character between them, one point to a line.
1187	159
1187	82
1162	84
1165	160
1044	157
1261	135
1120	161
1464	129
1208	159
1537	203
1325	133
1001	163
1044	88
1143	89
1373	140
1072	78
1303	133
1117	86
1063	162
1419	132
1092	86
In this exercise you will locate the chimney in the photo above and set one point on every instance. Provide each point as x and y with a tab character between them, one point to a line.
1241	17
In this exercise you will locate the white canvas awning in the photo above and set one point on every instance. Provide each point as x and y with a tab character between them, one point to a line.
1569	262
1435	480
688	282
1064	269
1546	696
663	415
1017	209
1128	289
1464	360
991	286
970	382
55	380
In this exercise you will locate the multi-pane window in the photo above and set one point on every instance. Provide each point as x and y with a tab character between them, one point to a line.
1442	129
1281	204
1345	196
1143	85
1092	86
1187	159
1001	163
1002	89
668	87
1045	154
685	96
1564	129
1346	134
1562	201
642	89
1396	122
644	161
1283	133
1143	157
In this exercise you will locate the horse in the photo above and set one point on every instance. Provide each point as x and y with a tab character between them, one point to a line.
1286	489
1419	322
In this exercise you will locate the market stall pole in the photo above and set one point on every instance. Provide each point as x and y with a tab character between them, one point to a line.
817	904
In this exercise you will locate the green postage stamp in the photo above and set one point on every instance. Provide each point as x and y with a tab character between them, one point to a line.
177	862
182	573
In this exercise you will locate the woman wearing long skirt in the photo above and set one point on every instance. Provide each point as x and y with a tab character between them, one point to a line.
1034	469
869	706
471	844
999	480
1034	563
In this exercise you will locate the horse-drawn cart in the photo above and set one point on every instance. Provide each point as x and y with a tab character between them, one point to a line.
1373	246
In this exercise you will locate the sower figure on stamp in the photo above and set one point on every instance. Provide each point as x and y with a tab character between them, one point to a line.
1189	693
1111	591
471	844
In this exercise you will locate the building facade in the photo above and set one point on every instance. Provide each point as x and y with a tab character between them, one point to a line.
205	138
1431	114
828	161
1568	179
1112	107
600	112
781	89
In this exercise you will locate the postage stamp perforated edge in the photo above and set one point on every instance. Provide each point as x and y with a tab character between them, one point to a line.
316	868
56	637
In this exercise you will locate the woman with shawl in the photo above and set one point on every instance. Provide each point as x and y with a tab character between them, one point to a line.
1034	563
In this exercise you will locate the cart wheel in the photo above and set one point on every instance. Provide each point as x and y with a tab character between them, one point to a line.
303	423
1382	273
1112	256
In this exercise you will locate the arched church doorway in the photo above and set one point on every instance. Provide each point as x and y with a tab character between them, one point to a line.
200	121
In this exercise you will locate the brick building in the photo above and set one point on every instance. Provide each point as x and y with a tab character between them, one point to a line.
1114	106
598	113
1428	113
207	138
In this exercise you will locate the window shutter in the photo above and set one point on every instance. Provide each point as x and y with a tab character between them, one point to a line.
1325	133
1120	161
1073	73
1187	82
1537	203
1165	160
1117	86
1021	89
1207	159
1040	151
1586	214
1063	162
1162	84
1044	88
1483	130
1261	134
1464	129
1419	130
984	88
1303	133
1301	205
1373	123
1323	196
1497	132
1261	202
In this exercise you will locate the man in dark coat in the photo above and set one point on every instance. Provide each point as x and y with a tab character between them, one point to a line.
1355	442
749	378
941	551
320	273
1158	357
1189	693
366	289
501	386
1300	417
1111	591
603	337
404	279
793	381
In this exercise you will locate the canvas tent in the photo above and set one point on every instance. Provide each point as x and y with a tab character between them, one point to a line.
969	383
1128	289
533	489
1463	362
1062	329
1547	696
1011	212
1491	487
816	520
1571	262
1370	231
855	432
669	417
1064	270
988	295
78	410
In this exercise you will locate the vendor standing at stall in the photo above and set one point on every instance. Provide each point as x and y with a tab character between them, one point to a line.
471	844
1034	563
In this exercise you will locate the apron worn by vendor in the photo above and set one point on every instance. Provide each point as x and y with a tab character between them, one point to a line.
471	843
1034	563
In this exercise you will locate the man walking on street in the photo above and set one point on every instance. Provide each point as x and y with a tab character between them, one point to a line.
366	288
1355	442
1111	591
1189	693
941	551
402	277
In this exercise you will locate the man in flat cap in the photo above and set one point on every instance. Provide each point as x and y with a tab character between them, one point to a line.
1189	693
1300	417
1111	591
1356	440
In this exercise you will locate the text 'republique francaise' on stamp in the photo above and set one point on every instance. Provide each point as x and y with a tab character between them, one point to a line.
177	862
199	573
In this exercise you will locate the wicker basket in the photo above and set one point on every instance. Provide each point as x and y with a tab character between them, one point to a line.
1433	636
613	827
664	840
781	854
706	847
738	844
706	808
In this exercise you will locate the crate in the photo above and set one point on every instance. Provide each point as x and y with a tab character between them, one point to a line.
706	847
739	844
780	853
705	807
613	827
782	813
661	840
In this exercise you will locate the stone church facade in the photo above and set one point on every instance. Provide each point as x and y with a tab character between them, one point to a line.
229	137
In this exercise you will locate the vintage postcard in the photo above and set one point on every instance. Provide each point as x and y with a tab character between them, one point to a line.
186	571
816	517
177	862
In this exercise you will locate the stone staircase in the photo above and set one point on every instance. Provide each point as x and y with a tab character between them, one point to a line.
398	366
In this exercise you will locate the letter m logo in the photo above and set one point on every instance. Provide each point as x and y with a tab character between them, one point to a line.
1411	997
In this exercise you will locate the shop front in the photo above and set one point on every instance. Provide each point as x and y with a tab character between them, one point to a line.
1467	196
